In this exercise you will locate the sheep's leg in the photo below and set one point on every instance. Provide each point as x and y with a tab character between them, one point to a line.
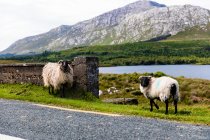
166	106
62	92
151	107
155	104
49	89
52	89
175	105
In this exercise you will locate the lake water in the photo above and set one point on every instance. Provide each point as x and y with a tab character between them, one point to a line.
189	71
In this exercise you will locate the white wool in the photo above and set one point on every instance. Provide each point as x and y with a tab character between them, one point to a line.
54	76
160	87
112	90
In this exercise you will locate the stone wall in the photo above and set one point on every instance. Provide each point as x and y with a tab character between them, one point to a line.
21	73
86	74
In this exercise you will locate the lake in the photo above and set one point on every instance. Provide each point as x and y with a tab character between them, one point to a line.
189	71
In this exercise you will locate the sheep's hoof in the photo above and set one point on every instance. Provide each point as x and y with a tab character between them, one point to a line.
62	96
157	107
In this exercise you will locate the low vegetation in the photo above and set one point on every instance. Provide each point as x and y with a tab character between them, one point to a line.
193	108
140	53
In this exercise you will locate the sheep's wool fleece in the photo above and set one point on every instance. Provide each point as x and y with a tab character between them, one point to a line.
54	76
160	87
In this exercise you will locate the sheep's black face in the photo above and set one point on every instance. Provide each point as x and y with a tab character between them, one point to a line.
144	81
64	66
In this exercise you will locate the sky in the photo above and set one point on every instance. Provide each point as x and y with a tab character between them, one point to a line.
22	18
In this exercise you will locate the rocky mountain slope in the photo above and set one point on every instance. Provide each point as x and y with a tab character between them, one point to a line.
139	21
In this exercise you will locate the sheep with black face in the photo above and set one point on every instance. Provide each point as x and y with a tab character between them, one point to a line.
58	75
162	88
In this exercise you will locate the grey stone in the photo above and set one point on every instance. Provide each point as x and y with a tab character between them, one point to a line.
87	74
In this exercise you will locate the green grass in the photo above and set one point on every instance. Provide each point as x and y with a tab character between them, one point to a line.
190	111
139	53
9	61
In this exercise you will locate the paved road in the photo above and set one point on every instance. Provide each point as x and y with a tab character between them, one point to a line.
28	121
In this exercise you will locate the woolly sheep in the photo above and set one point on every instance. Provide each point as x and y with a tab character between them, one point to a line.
161	88
57	76
112	90
100	92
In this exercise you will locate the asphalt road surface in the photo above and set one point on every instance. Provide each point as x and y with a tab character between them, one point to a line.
30	121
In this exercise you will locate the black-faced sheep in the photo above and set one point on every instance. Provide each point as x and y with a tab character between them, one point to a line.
161	88
57	76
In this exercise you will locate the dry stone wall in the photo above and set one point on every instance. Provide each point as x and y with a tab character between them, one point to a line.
21	73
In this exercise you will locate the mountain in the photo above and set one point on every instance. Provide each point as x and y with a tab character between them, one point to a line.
139	21
165	21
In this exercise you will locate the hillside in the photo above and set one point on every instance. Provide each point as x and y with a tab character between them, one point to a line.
194	33
139	21
147	53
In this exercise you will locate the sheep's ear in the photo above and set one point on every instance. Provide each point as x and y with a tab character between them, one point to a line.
149	78
71	65
60	61
69	62
140	78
